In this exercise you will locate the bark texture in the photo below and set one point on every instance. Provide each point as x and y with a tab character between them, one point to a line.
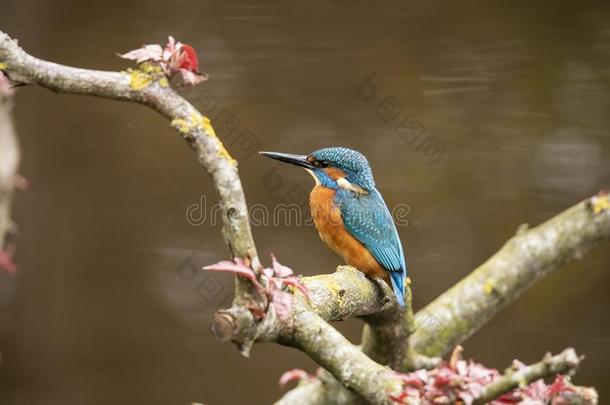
393	336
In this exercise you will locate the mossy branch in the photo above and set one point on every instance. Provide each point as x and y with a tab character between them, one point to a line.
466	307
338	296
147	86
447	321
345	361
524	259
332	297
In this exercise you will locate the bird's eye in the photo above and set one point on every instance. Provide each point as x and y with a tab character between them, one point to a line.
317	163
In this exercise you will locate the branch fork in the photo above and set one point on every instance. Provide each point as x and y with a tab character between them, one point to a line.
392	337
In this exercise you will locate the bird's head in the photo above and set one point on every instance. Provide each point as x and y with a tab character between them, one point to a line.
336	168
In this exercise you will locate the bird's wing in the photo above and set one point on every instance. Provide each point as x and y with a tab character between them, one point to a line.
368	219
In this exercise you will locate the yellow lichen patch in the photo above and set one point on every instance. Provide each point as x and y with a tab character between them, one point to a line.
600	203
207	126
198	121
488	286
204	123
182	125
146	74
151	68
139	80
3	65
223	153
335	290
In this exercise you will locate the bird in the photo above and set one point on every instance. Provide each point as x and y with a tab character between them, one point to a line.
350	214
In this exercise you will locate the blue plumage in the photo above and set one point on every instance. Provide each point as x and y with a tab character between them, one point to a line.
368	219
367	222
352	162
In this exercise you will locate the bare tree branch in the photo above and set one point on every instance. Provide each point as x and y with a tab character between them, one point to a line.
527	257
385	336
326	345
441	325
565	362
466	307
333	297
194	128
345	361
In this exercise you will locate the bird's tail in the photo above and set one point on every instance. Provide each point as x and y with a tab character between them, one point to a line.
398	285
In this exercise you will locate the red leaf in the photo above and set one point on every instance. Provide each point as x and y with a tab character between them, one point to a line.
176	59
237	267
279	269
152	52
7	263
462	381
560	385
399	398
282	303
295	282
295	374
5	86
21	183
268	272
189	59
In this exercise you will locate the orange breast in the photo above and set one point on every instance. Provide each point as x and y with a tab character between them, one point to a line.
330	226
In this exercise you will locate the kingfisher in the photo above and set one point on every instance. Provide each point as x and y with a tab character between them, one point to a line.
350	214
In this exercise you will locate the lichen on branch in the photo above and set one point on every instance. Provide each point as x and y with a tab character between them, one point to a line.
527	257
466	307
145	85
436	329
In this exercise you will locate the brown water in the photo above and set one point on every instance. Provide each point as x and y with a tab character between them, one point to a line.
508	110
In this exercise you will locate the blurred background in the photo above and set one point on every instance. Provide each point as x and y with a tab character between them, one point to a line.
476	118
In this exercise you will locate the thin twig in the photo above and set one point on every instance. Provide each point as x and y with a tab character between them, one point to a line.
562	363
465	308
334	351
441	325
194	128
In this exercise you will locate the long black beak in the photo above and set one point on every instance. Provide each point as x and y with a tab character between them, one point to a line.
298	160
